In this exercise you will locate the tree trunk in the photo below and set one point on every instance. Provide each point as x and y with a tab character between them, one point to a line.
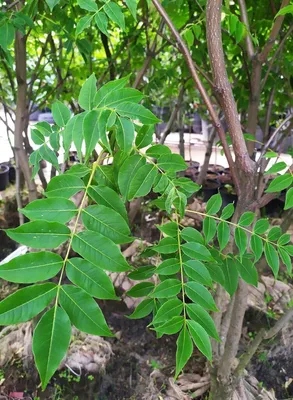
204	168
21	114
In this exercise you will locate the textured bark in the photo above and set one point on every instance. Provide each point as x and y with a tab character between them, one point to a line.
21	114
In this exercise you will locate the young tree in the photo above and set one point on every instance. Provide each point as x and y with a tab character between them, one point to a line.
191	264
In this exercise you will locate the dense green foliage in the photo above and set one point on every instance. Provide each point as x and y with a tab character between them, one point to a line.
189	262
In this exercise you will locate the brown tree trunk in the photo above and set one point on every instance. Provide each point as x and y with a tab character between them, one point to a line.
21	114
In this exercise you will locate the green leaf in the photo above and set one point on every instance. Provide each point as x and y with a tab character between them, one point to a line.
73	131
26	303
272	258
93	124
157	150
223	234
108	197
37	136
137	111
108	88
89	88
143	272
6	35
169	229
261	226
141	289
240	32
167	245
144	136
180	203
276	168
230	272
200	338
47	154
196	271
100	251
127	172
102	22
247	271
280	183
202	317
214	204
271	154
289	199
124	134
284	239
216	273
197	251
105	176
191	235
289	249
233	19
170	327
78	170
115	14
52	209
54	140
199	294
256	245
286	259
241	240
143	309
285	10
90	278
168	267
132	5
83	311
228	211
52	3
31	267
246	219
172	163
142	181
89	5
184	350
64	186
167	288
209	228
107	222
171	308
44	127
274	233
61	113
50	342
83	23
40	234
123	95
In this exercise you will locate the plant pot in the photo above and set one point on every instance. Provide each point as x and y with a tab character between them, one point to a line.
43	164
4	176
191	173
227	197
212	176
210	188
225	178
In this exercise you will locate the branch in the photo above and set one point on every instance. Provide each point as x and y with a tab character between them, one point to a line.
273	35
262	334
245	20
277	52
151	52
267	145
186	54
223	87
108	55
173	116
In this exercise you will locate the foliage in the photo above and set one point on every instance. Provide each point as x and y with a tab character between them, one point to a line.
189	262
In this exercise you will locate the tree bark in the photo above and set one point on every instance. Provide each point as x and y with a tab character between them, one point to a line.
204	168
21	114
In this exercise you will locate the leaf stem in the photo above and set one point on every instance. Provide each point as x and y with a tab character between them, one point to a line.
181	269
73	232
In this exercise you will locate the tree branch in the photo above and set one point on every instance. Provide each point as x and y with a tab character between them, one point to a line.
108	55
173	115
223	86
277	52
186	54
273	35
245	20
